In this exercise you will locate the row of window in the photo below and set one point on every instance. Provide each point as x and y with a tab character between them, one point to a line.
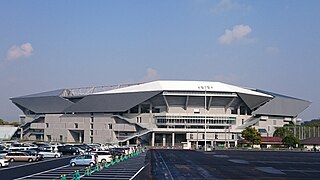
194	121
191	127
215	136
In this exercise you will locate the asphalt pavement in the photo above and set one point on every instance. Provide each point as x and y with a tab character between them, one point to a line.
228	164
19	169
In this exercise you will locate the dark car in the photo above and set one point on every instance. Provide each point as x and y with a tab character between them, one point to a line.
68	150
84	147
116	152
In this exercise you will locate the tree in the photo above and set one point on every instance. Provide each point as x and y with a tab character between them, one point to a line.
313	122
291	141
252	135
3	122
282	132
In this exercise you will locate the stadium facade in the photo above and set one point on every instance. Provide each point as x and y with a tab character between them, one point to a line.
157	113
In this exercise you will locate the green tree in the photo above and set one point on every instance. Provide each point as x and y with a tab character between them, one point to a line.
3	122
282	132
291	141
252	135
313	122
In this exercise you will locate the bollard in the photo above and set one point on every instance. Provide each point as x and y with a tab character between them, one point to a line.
63	177
87	171
106	165
76	175
98	167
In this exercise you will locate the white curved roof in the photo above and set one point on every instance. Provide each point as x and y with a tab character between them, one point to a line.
171	85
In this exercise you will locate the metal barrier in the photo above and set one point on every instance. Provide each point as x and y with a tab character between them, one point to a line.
104	165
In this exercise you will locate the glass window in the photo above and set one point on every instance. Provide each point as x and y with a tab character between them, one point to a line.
242	110
134	109
234	111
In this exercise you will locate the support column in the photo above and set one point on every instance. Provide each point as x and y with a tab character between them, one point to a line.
164	140
80	137
128	143
21	133
152	139
173	139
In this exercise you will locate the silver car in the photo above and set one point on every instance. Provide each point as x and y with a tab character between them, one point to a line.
50	154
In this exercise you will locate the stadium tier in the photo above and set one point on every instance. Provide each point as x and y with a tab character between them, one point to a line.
157	113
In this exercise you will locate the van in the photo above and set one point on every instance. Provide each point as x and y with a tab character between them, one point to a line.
20	156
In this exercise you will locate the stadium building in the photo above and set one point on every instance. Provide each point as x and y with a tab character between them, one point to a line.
158	113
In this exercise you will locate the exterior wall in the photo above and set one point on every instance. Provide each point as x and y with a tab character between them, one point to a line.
103	128
271	123
94	128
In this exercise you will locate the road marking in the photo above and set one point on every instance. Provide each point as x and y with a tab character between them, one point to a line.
270	170
42	172
165	165
221	156
239	161
302	171
286	162
138	172
27	164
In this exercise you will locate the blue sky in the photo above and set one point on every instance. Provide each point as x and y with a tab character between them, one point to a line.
270	45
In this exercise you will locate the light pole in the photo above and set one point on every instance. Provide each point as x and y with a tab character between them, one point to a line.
205	118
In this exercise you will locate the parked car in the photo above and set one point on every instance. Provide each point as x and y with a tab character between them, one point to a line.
67	149
20	156
50	154
116	152
33	152
83	147
4	162
85	159
2	147
103	156
3	153
20	147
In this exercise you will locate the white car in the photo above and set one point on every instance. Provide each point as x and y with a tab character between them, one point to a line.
48	153
20	147
4	162
103	156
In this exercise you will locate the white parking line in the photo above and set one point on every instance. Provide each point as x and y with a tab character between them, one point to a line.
27	164
137	172
42	172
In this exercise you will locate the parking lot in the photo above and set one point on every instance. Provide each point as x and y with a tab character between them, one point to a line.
180	164
53	169
227	164
125	169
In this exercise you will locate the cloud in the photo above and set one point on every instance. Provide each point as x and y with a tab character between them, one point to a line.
24	50
151	75
229	5
237	33
272	50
